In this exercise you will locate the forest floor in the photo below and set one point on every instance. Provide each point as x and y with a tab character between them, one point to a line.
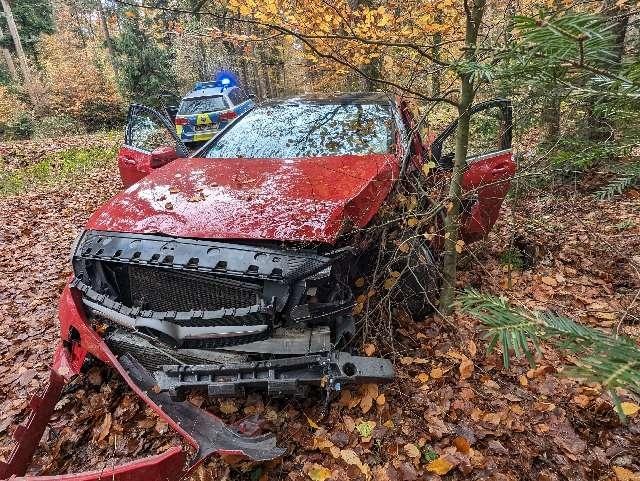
450	399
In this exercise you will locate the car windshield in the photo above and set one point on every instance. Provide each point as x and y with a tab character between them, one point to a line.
201	105
304	129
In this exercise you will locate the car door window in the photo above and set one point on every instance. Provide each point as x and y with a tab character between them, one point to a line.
147	130
237	96
489	132
242	96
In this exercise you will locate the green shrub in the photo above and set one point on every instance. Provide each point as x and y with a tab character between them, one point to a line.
56	126
55	168
19	127
512	257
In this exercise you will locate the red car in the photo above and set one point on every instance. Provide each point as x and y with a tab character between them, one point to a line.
229	270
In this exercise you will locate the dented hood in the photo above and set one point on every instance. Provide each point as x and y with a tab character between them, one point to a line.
304	199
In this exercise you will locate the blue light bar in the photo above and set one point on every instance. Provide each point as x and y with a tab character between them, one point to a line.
225	78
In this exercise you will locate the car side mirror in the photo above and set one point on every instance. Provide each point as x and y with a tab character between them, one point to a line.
162	156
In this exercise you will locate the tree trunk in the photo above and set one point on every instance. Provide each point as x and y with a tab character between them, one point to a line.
598	126
8	59
107	38
267	79
11	66
550	118
436	76
452	219
22	59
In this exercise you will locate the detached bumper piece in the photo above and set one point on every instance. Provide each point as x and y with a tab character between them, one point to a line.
206	433
210	433
194	329
278	377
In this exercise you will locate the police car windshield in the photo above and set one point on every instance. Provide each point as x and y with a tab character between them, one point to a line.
307	129
201	105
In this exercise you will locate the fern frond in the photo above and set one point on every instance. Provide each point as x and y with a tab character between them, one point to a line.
612	361
617	187
512	329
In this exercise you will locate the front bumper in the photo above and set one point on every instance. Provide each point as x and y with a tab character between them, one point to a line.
205	433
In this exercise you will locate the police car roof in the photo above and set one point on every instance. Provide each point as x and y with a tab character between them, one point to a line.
207	92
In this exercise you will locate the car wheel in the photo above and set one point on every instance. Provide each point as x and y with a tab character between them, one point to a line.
417	287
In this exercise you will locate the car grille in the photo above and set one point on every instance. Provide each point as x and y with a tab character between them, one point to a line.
159	289
156	354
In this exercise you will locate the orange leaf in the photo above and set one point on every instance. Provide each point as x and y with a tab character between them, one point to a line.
462	445
318	472
466	368
369	349
624	474
439	466
629	409
366	403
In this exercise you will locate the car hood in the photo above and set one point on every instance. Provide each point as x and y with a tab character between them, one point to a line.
303	199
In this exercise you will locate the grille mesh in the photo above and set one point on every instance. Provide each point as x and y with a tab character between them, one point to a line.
160	289
153	356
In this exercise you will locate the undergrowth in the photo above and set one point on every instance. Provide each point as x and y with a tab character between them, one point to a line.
54	169
610	360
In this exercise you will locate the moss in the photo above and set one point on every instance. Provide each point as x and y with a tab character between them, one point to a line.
55	168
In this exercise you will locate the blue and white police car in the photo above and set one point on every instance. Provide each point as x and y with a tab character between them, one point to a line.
209	107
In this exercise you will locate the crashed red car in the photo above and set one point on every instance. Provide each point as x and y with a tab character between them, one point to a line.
228	270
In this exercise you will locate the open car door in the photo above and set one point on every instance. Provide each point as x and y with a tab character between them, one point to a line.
150	141
490	165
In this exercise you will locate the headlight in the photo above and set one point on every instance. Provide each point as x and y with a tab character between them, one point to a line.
74	246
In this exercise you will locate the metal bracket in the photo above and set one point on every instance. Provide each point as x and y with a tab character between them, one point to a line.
278	377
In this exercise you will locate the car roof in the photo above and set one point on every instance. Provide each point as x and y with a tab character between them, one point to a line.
334	98
208	92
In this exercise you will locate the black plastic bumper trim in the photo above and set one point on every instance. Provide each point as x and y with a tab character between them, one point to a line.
278	377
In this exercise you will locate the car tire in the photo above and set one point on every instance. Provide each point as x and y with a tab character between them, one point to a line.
418	286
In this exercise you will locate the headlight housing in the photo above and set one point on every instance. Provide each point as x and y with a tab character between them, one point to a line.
74	246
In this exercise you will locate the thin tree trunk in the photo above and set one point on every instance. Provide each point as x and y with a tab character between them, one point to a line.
598	126
436	76
266	71
11	66
243	61
8	59
550	118
107	38
452	219
22	59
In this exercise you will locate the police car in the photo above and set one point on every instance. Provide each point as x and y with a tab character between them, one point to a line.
209	107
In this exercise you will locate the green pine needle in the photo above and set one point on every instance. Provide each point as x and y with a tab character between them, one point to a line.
612	361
